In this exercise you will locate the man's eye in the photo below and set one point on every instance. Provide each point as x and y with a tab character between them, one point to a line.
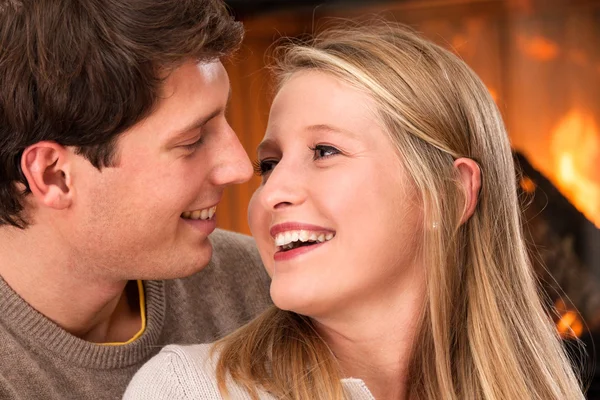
263	167
323	151
193	146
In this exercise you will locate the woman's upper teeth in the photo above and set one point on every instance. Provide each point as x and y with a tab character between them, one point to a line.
284	238
205	214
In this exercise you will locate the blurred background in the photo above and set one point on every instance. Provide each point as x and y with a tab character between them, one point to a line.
540	59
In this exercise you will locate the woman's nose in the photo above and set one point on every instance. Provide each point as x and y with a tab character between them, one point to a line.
284	187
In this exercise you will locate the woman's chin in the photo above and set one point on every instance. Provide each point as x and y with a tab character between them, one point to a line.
300	302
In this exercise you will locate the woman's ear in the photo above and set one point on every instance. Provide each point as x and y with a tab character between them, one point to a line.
46	168
470	178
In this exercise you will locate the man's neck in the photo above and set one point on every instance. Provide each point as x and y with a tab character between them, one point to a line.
123	323
86	306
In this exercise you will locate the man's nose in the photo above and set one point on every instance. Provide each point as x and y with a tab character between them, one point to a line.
233	165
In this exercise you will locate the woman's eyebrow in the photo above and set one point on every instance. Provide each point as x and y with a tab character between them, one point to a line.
331	129
270	144
266	144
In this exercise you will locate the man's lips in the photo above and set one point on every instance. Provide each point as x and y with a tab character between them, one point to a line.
204	214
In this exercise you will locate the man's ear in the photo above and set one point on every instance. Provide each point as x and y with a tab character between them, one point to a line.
46	165
470	178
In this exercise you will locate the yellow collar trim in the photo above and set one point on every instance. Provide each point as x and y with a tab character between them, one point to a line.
142	314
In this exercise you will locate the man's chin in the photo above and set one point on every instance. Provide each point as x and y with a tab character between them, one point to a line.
197	264
183	264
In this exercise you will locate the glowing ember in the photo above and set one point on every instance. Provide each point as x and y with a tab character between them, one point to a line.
527	185
575	149
569	324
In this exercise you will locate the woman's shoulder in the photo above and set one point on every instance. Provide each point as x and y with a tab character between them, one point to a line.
181	372
185	372
176	372
198	355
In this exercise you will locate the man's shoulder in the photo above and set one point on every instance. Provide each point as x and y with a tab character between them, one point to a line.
232	244
234	253
232	289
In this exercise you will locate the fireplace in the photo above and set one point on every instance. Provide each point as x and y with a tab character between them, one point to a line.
565	254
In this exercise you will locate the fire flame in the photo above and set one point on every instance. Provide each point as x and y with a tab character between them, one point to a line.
538	47
493	93
576	153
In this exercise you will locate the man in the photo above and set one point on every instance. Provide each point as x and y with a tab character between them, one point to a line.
114	153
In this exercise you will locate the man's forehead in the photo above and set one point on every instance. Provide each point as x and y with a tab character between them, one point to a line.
211	70
202	73
192	95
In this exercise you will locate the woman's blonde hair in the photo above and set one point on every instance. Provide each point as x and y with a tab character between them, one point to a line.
483	333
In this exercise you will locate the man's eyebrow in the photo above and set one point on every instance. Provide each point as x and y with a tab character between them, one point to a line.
201	121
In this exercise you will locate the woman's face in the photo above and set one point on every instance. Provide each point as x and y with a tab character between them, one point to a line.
336	218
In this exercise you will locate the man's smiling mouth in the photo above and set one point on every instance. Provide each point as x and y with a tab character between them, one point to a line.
204	214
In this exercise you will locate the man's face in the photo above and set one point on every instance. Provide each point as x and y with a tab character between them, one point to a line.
149	216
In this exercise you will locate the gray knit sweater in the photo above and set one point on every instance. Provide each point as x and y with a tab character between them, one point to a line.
39	360
188	373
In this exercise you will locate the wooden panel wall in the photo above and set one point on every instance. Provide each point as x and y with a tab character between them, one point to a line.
248	114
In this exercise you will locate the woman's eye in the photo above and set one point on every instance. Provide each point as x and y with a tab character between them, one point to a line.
263	167
323	151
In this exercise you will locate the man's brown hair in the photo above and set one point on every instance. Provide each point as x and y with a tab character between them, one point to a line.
80	72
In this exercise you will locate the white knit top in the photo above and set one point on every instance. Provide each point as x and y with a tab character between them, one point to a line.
188	372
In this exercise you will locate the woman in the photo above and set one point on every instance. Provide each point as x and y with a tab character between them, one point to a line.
388	220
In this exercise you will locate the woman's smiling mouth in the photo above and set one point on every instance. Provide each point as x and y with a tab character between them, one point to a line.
293	238
297	238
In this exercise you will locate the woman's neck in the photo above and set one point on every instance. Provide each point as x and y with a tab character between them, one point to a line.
377	343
